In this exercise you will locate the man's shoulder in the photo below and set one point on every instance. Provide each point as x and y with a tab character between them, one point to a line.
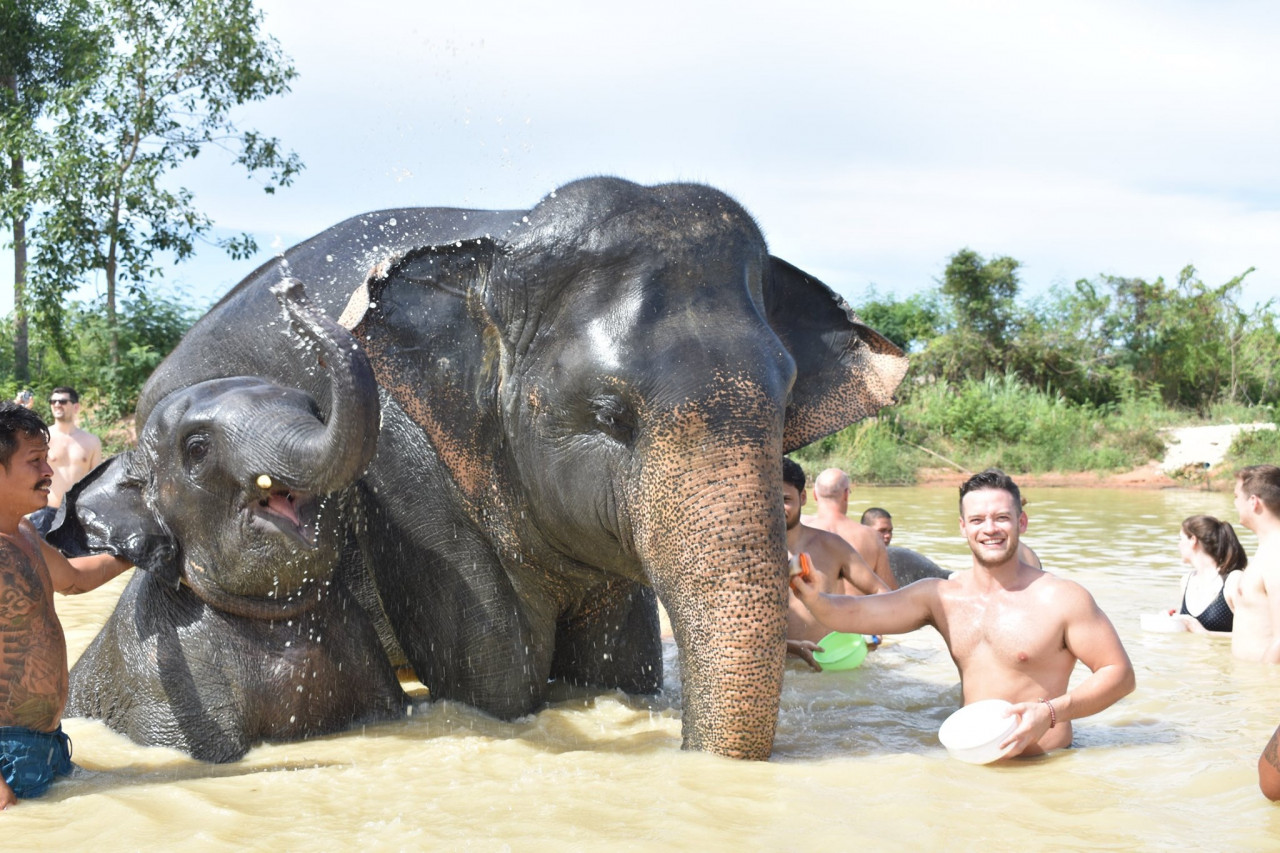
86	438
818	539
1061	594
815	535
1267	556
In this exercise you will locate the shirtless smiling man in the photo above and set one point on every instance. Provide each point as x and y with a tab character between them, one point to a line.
73	452
835	563
1255	633
1015	632
33	650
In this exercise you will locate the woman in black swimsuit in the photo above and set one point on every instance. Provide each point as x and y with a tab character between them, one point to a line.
1212	550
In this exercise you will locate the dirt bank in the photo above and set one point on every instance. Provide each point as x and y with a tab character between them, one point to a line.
1149	476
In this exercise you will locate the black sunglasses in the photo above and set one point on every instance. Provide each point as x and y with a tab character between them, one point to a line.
59	401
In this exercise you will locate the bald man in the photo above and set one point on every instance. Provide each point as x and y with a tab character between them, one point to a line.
831	496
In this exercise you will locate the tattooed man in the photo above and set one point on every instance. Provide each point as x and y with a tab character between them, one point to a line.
33	651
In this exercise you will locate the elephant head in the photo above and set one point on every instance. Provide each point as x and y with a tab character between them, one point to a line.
235	485
610	387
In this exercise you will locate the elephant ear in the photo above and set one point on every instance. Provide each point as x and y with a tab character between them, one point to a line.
108	511
422	319
845	370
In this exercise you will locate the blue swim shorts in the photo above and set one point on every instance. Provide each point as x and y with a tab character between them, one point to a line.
30	760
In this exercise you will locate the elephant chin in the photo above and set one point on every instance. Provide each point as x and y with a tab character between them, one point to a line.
288	606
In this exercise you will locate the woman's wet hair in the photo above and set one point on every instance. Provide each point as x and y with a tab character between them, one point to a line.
1218	540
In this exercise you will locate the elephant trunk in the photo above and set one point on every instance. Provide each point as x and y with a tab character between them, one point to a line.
713	539
324	457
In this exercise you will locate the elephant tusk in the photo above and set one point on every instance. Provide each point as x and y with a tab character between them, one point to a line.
264	482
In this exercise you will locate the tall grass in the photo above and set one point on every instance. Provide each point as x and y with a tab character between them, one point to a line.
998	421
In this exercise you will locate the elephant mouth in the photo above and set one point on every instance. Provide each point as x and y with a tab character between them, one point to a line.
286	511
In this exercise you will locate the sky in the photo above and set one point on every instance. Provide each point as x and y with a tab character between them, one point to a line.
870	140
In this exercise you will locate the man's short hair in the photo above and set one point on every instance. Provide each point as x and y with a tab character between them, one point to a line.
15	420
68	390
992	478
1263	481
872	514
793	474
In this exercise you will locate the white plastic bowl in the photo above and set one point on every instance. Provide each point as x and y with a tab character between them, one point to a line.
1161	623
975	732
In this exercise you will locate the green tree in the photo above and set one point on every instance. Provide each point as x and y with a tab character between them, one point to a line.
46	47
164	89
1193	342
910	323
983	317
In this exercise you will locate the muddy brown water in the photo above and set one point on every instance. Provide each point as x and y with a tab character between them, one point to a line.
857	764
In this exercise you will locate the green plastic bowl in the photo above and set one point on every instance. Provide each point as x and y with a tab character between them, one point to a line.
841	651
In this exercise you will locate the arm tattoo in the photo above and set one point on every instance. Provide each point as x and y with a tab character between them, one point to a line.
1271	753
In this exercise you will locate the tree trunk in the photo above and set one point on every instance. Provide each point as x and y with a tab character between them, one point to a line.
113	332
21	365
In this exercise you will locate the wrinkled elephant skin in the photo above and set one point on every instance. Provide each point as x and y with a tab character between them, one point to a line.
910	566
235	628
583	405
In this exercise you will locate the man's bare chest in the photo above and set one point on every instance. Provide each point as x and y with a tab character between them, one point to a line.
26	591
67	452
1004	633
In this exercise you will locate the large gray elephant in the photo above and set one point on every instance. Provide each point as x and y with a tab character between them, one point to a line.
583	404
235	628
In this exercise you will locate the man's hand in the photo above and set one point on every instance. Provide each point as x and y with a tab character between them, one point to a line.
7	797
1033	721
804	650
805	587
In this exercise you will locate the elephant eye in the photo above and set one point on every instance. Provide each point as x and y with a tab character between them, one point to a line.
196	448
614	418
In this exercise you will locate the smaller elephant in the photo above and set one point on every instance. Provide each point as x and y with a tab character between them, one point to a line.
238	628
910	566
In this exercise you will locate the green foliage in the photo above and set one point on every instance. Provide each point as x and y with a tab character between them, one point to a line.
910	323
1257	447
996	421
982	318
870	451
150	327
164	78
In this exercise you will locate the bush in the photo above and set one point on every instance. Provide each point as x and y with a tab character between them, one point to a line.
150	327
999	421
1255	447
869	452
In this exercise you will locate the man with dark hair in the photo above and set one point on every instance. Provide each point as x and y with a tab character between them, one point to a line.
1015	632
834	563
831	494
73	452
33	650
1255	634
880	521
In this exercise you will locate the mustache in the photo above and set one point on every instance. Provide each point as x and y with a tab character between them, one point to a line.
44	484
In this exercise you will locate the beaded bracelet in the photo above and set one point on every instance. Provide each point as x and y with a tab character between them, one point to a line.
1053	716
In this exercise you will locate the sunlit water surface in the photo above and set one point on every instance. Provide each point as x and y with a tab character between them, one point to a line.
857	765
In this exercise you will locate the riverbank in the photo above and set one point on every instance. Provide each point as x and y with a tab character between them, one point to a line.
1192	459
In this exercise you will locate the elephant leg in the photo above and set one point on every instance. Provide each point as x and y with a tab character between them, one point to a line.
468	637
612	640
